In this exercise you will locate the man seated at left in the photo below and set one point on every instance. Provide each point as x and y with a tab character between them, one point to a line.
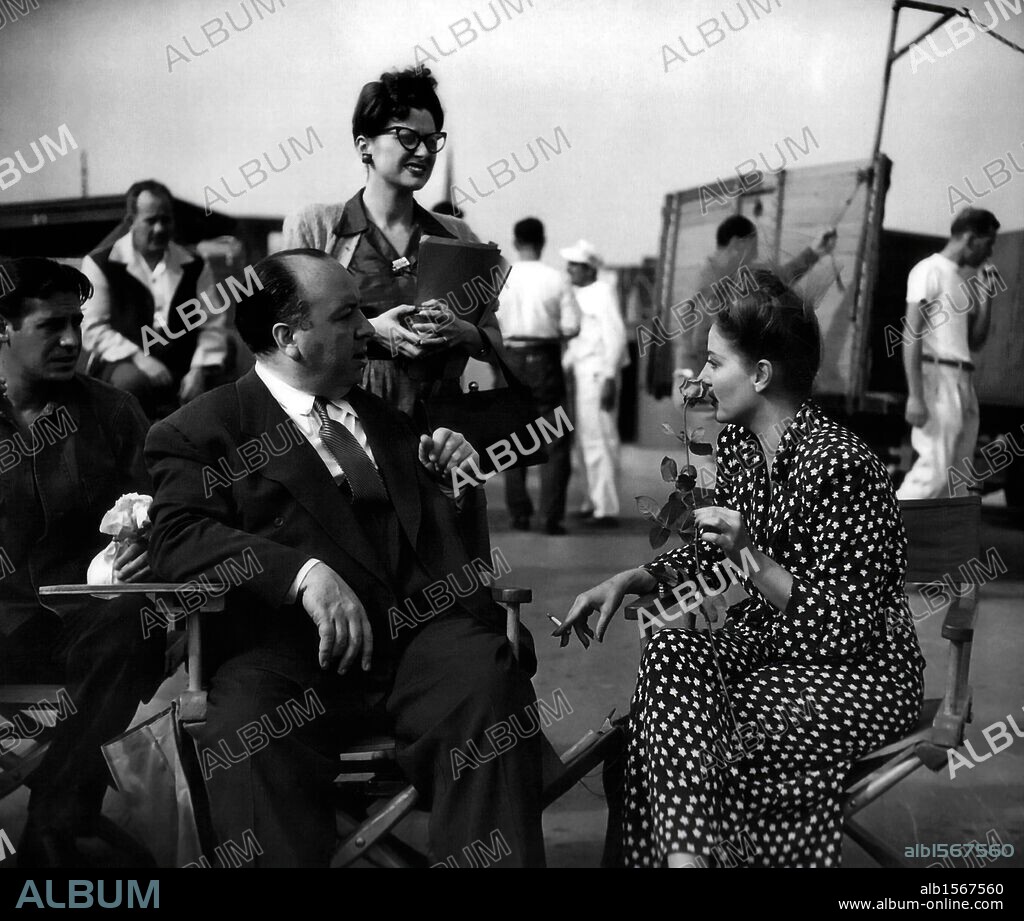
70	446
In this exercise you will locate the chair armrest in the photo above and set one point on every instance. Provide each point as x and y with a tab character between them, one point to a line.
660	614
958	624
130	588
632	610
511	598
511	595
665	610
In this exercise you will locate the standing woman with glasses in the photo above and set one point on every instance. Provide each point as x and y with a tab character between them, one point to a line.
376	234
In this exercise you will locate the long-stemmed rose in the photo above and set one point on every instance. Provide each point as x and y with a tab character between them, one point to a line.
677	514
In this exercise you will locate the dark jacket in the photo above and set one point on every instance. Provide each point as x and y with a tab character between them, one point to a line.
287	510
83	453
132	308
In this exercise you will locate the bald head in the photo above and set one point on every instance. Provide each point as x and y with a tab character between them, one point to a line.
306	322
283	297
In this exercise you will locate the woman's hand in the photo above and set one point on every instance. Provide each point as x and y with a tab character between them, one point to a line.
391	334
722	527
606	599
440	325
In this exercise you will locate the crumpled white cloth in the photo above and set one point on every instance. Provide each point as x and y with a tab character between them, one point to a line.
127	520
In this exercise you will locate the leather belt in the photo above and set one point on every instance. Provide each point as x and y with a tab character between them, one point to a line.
966	365
524	342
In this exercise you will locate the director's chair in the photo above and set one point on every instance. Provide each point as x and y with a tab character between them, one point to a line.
368	771
943	535
28	714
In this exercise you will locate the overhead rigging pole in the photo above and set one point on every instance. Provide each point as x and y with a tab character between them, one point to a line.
945	13
861	286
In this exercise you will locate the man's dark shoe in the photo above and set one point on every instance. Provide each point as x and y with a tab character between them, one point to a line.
42	846
112	834
605	521
54	846
520	524
554	529
583	514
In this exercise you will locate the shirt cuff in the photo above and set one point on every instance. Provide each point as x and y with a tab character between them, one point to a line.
293	592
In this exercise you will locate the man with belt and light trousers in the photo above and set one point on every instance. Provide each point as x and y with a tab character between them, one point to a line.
595	358
537	314
949	298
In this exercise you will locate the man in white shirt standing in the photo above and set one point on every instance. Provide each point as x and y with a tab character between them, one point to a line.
143	280
595	358
537	312
949	297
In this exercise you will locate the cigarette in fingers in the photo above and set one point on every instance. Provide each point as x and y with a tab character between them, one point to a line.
565	636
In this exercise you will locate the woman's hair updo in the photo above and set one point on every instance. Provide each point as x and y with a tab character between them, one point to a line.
391	97
775	323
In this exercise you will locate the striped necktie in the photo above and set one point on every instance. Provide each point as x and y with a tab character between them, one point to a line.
362	476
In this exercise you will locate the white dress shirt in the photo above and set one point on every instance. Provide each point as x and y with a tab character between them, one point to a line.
938	280
298	406
537	303
100	338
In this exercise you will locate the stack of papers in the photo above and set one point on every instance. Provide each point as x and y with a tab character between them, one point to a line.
466	276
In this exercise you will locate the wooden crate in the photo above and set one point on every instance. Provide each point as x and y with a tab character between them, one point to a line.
790	209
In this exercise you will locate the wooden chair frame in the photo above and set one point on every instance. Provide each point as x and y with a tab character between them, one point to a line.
22	702
367	767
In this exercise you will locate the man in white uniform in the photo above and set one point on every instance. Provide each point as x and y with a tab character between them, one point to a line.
537	313
595	358
948	315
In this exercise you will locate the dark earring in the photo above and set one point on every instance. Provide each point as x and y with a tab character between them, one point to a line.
366	158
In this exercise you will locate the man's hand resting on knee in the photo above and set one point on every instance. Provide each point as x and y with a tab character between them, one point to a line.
339	616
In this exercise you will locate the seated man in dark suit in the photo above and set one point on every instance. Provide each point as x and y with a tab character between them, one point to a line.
70	446
340	506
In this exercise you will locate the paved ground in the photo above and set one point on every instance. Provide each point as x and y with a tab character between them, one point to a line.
928	808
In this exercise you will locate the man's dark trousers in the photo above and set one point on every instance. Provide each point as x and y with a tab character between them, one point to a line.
455	679
445	682
97	651
539	366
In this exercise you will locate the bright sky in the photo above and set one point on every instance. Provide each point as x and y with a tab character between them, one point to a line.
593	69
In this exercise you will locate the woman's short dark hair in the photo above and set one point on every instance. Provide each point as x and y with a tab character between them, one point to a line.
279	300
391	97
775	323
33	276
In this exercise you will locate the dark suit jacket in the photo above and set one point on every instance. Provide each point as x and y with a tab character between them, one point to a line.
290	510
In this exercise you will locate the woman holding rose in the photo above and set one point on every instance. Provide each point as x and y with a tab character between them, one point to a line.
744	737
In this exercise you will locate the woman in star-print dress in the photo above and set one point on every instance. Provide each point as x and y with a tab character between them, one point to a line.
738	751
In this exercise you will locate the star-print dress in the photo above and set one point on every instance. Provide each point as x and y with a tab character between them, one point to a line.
811	688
